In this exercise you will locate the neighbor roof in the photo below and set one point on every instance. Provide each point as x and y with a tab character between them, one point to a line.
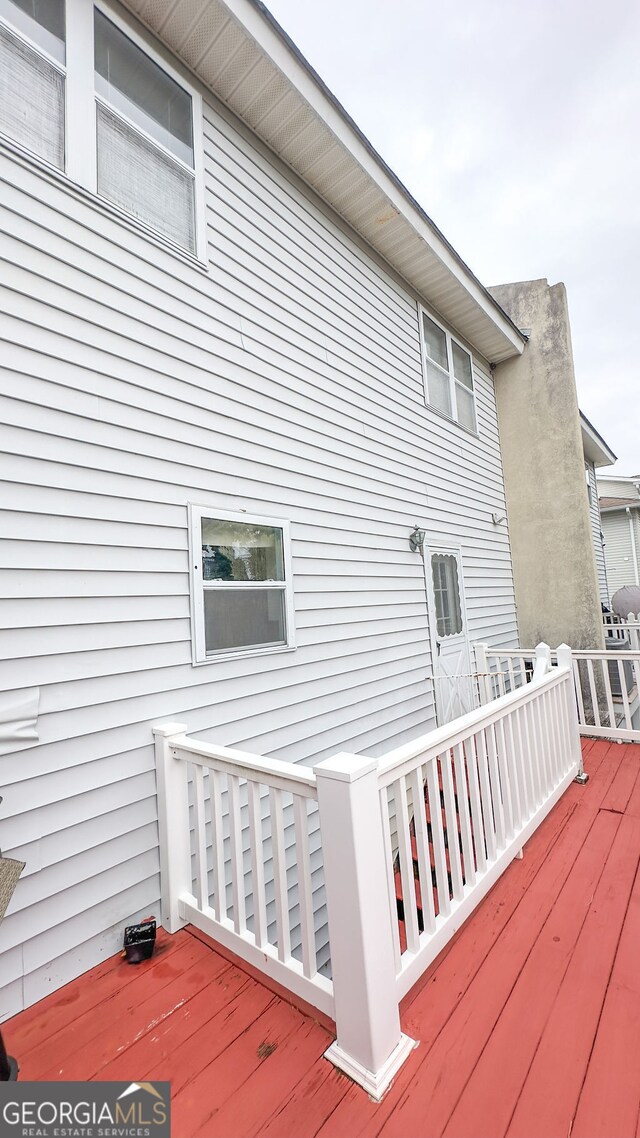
617	503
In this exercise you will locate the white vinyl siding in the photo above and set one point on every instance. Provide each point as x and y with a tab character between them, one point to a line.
618	549
286	382
596	530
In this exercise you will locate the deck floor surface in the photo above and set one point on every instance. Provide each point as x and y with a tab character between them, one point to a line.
528	1023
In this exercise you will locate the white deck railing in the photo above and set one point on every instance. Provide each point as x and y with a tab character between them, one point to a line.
431	824
607	684
623	628
464	799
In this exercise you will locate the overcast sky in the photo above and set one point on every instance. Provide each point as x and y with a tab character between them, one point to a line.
516	126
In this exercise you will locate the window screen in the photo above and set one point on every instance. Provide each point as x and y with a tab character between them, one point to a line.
31	99
244	587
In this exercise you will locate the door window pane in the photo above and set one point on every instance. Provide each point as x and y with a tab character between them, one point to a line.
435	341
243	618
446	589
233	551
135	85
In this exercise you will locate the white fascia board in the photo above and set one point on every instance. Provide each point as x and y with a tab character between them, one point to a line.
594	446
259	24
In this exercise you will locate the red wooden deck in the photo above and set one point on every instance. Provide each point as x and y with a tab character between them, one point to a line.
529	1023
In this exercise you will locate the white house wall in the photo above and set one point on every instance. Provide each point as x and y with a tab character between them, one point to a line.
285	381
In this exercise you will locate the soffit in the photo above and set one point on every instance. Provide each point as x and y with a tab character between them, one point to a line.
239	53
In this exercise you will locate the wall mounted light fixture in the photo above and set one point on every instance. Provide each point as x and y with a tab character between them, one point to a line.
416	539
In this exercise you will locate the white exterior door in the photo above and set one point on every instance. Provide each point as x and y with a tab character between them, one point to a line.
454	689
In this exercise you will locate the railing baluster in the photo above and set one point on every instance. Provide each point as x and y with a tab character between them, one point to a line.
593	694
496	789
237	861
406	864
608	693
485	788
391	883
462	794
533	753
522	756
200	836
437	840
219	879
577	680
305	894
505	778
539	713
625	698
479	840
257	865
422	846
507	728
283	932
451	815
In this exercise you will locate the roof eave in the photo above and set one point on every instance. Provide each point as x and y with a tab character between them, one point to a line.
393	224
594	446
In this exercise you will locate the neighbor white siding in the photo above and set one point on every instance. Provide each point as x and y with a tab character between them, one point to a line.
285	381
596	529
618	549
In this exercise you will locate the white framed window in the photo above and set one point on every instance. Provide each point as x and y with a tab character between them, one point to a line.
448	373
81	90
33	76
241	584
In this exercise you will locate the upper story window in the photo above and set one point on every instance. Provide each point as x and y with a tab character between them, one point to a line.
32	76
448	373
144	136
241	584
131	141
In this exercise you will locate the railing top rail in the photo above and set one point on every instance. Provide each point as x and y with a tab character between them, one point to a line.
511	653
255	768
402	759
600	654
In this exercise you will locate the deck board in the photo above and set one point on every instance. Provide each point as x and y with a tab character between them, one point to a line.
528	1023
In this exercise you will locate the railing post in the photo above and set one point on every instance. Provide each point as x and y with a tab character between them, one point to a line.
482	668
543	661
565	660
370	1046
634	633
173	825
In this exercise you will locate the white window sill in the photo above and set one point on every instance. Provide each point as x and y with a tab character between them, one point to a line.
244	654
453	422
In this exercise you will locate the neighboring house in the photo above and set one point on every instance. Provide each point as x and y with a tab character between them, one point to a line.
620	511
546	447
239	364
596	455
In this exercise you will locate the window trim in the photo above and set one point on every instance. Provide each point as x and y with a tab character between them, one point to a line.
80	123
453	382
196	512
